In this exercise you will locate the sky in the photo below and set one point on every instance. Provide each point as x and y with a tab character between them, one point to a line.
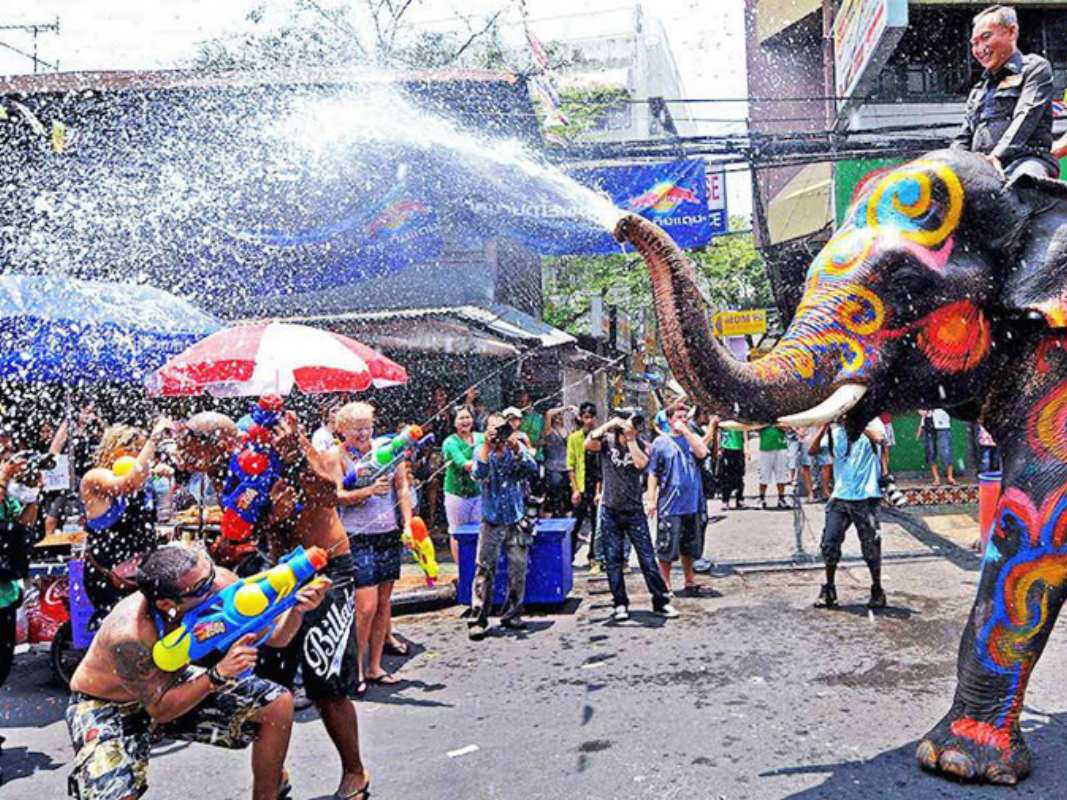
707	39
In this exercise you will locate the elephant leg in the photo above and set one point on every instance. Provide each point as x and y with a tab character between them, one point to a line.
1022	587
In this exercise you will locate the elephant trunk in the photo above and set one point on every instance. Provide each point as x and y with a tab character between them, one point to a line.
764	391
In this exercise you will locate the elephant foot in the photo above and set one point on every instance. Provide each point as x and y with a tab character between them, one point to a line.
964	748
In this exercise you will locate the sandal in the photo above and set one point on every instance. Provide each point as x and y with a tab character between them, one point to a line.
385	679
358	794
398	649
285	788
361	689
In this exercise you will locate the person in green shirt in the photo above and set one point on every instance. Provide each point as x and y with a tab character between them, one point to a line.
533	422
773	464
732	467
463	496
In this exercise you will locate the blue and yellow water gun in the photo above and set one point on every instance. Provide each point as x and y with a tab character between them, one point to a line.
250	605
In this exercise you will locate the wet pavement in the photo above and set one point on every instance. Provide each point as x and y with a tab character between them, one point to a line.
750	694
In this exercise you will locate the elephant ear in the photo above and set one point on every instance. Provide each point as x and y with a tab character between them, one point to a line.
1036	278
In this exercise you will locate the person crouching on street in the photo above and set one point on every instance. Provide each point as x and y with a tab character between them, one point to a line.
854	501
119	697
502	465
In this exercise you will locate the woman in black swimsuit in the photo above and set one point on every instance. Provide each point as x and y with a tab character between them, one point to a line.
120	512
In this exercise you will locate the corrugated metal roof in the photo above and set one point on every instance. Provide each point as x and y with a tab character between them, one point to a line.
119	80
501	319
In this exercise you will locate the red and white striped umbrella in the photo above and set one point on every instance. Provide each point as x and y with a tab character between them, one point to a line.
270	358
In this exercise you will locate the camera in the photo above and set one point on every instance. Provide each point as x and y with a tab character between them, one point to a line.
36	463
502	434
632	415
893	495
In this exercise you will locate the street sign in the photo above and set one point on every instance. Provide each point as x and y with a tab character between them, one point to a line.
865	33
720	222
740	323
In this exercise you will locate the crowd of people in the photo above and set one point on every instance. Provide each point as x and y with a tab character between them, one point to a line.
631	485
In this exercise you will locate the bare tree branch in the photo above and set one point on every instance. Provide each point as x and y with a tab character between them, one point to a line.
346	28
473	36
396	19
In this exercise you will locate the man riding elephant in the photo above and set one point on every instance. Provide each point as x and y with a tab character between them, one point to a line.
1009	111
942	288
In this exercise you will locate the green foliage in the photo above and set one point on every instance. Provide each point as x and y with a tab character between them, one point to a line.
731	273
587	106
312	33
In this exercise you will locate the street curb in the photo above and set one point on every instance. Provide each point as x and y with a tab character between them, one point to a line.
417	601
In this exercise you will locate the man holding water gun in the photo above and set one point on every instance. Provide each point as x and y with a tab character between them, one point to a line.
119	695
325	647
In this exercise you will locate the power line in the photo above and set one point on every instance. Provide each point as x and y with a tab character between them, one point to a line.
34	29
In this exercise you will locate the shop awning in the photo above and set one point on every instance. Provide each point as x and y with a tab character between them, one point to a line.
496	329
803	206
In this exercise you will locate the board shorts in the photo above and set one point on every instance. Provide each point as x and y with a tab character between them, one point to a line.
112	741
324	649
773	467
679	535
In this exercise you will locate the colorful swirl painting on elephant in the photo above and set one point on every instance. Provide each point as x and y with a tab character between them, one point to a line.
943	288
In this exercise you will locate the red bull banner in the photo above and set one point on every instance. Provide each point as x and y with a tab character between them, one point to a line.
673	195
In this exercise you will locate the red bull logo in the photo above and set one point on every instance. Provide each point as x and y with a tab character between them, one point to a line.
396	215
663	198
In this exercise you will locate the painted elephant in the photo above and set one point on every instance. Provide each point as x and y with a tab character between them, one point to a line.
943	288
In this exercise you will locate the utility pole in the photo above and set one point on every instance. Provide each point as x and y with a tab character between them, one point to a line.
35	30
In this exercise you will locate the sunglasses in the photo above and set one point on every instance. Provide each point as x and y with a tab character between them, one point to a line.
202	589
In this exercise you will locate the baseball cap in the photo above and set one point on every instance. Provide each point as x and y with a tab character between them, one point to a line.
510	412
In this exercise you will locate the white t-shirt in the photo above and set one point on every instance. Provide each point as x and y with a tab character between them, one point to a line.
942	421
323	439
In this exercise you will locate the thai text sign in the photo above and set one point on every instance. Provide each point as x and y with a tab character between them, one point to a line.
740	323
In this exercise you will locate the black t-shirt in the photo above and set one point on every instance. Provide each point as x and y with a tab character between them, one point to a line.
621	479
592	472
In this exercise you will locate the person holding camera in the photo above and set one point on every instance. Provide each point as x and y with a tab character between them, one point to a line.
120	510
623	459
502	465
855	499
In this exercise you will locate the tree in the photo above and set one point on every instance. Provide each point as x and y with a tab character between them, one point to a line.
371	32
731	273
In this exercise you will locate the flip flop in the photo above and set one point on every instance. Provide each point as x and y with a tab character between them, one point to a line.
398	649
358	794
385	679
361	688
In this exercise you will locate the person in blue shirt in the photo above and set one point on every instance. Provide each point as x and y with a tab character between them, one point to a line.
502	466
854	501
676	496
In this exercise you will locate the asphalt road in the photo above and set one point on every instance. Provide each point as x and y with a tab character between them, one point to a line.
752	694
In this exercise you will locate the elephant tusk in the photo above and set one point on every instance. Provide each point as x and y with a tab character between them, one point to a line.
843	399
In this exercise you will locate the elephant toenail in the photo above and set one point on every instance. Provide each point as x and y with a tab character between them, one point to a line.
957	763
1001	774
926	753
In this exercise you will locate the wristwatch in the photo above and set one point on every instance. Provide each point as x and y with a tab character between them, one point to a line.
217	680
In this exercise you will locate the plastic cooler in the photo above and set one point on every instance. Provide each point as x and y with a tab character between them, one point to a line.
549	577
988	497
81	609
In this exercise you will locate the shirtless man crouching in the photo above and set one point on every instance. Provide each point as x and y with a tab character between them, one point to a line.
119	696
325	647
